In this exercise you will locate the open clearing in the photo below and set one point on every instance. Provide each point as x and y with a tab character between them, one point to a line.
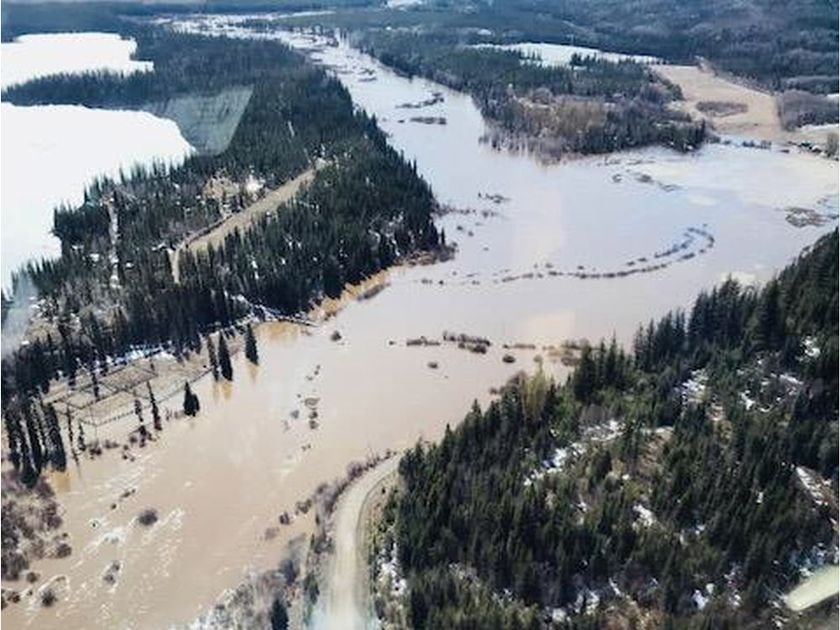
760	119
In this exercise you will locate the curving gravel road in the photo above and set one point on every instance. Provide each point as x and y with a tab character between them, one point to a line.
344	605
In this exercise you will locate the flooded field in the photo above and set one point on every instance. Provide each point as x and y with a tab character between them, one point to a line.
546	253
43	166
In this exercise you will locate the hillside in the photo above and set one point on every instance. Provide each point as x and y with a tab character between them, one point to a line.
683	485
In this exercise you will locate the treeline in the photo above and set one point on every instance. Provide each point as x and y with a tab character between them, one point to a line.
21	18
790	45
687	492
781	45
595	106
105	296
34	439
182	65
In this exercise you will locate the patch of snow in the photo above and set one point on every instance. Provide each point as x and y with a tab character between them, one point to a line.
645	515
253	185
559	615
694	389
559	460
791	380
748	402
812	483
812	350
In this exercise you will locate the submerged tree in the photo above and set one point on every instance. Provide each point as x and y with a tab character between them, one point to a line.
211	353
191	404
81	439
155	411
138	411
14	437
251	346
224	359
279	616
56	453
35	445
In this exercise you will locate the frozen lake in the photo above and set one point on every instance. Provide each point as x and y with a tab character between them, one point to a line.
50	153
561	54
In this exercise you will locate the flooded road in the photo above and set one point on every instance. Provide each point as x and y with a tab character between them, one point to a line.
220	481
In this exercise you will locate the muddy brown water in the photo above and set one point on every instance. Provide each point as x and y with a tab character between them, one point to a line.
220	480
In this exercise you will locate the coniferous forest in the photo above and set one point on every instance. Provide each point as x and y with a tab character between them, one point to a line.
688	480
591	106
113	288
664	485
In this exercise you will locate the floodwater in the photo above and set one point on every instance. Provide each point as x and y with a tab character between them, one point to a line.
220	480
50	153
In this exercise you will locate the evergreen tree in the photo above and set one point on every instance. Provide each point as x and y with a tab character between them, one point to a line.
70	438
57	454
191	403
14	437
224	359
279	616
211	353
585	376
36	449
82	443
94	381
138	411
769	323
155	411
251	346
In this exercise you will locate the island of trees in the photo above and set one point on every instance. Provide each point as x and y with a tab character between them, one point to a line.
592	106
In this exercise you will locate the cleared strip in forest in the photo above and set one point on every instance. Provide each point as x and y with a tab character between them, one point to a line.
216	233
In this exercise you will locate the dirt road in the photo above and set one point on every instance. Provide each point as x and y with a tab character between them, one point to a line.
345	604
241	220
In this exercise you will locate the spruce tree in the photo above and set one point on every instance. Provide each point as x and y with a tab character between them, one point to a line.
94	381
251	346
191	404
138	411
155	411
57	454
279	616
14	437
211	353
82	443
224	359
35	445
70	438
585	376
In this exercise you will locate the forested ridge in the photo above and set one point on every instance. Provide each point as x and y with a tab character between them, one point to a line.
112	289
778	45
662	488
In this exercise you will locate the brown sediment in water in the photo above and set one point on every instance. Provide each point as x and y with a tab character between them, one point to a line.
220	480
